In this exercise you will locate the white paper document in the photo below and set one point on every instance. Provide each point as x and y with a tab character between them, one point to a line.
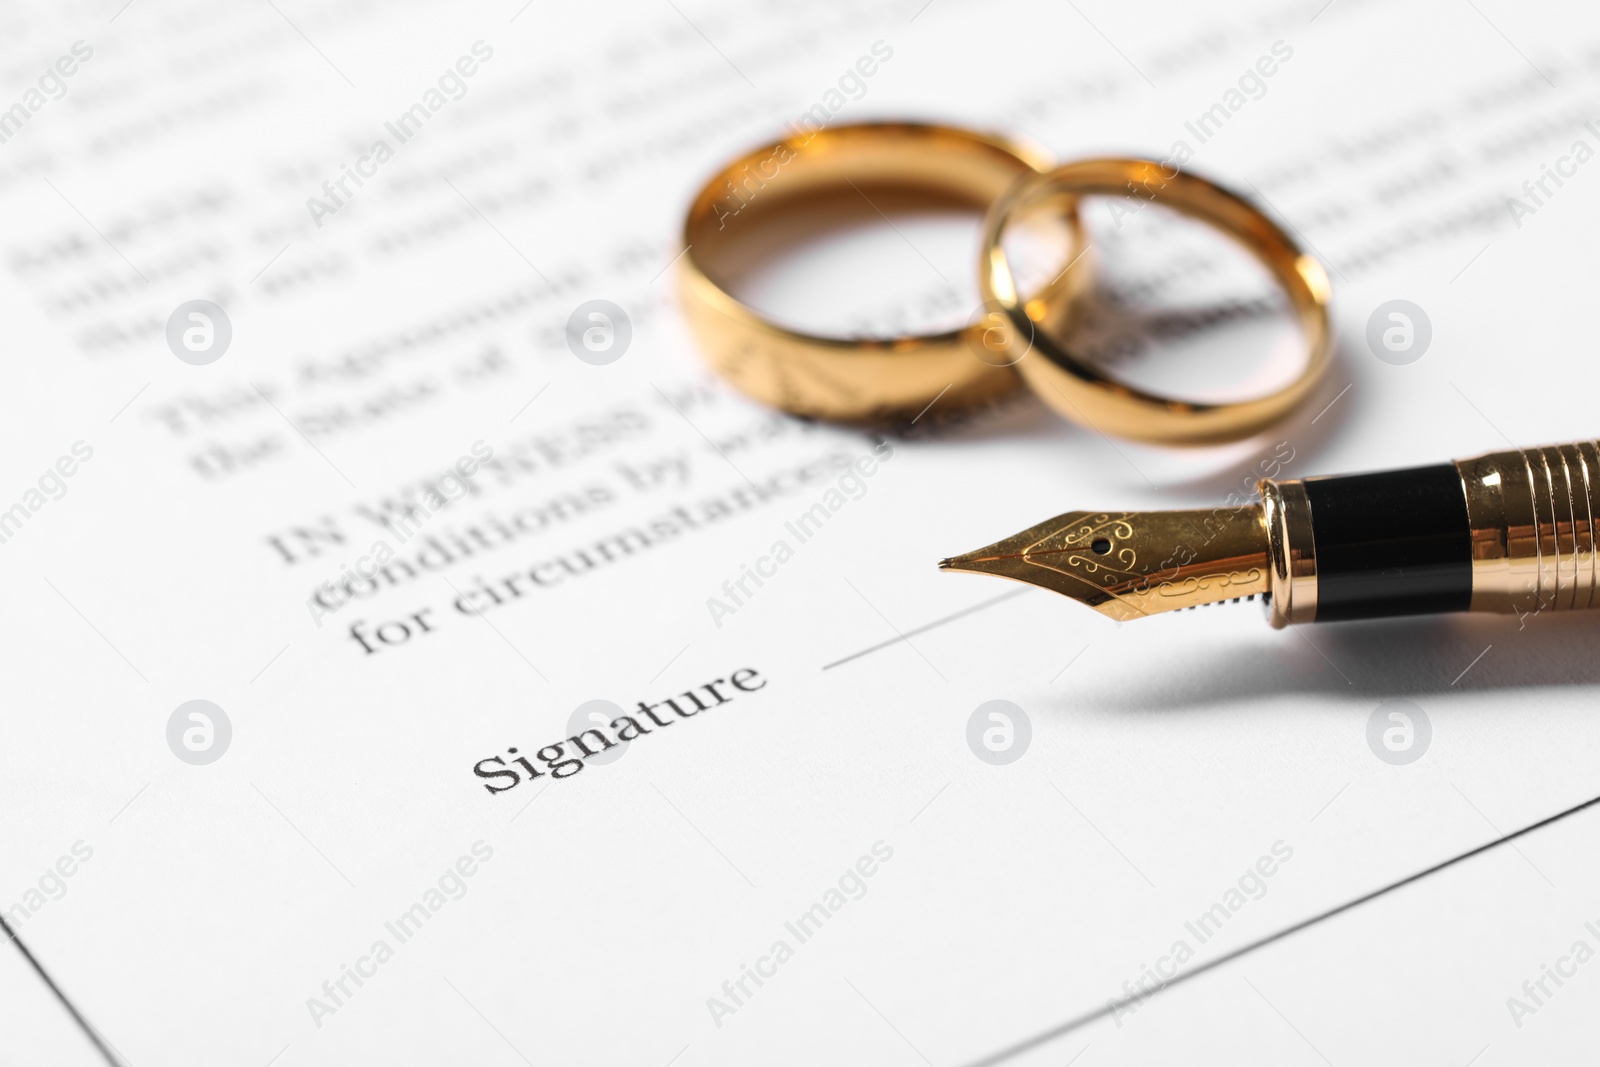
388	683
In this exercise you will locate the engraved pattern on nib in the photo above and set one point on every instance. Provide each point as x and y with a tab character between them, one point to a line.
1078	538
1135	563
1251	579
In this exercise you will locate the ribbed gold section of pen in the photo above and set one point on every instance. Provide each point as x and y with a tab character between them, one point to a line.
1533	515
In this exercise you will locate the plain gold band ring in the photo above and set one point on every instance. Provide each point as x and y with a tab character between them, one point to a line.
1087	395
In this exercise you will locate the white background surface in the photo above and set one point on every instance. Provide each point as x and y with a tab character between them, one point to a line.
1165	759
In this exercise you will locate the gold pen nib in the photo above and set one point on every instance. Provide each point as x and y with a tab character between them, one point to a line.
1131	564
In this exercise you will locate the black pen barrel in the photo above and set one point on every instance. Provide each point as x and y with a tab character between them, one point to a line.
1391	543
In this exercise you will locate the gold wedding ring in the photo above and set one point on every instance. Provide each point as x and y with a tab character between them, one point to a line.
849	379
1087	395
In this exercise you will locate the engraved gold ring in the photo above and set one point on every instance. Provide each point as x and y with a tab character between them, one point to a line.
849	379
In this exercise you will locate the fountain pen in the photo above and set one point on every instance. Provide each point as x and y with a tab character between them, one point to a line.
1509	531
